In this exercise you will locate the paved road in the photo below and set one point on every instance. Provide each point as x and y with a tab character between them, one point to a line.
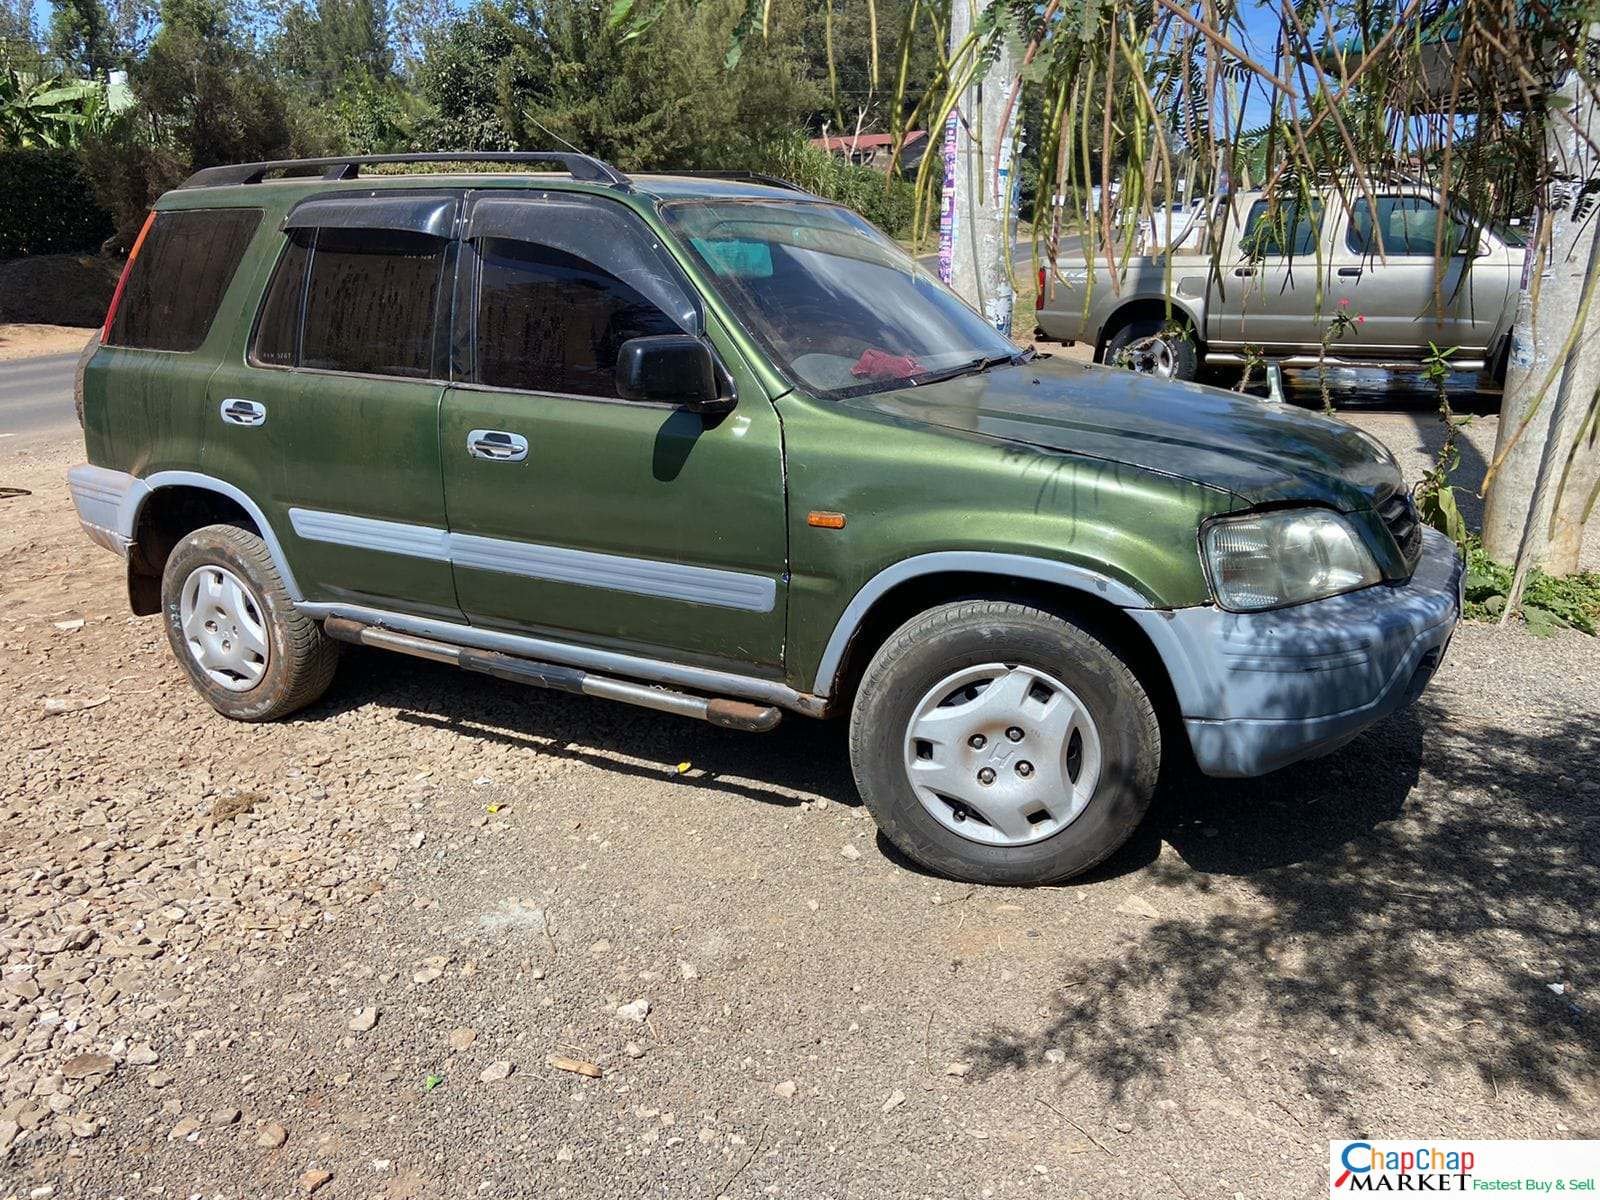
35	400
1021	253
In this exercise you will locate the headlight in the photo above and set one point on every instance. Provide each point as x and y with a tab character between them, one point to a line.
1270	559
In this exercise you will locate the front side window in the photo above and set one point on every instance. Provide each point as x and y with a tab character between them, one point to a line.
1285	228
843	309
1406	227
178	278
552	321
358	300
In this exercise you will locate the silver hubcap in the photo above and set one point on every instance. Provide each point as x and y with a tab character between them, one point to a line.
1004	755
1151	356
224	627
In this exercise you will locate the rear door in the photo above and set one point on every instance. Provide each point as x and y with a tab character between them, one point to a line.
329	415
1394	292
634	526
1270	294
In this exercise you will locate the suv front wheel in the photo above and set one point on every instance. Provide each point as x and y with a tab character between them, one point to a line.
233	628
998	743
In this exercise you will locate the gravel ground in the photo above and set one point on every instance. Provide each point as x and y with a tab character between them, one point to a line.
445	937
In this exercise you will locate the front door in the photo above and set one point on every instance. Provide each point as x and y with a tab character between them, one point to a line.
329	417
1273	292
578	515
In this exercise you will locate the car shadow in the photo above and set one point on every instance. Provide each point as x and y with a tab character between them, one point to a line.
800	760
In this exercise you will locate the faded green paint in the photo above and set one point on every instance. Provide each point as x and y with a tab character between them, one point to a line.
1084	466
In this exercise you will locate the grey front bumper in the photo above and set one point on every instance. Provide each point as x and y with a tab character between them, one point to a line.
1261	690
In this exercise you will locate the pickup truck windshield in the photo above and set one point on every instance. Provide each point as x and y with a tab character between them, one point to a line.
843	309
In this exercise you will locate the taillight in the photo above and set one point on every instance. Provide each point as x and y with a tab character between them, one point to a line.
122	280
1038	297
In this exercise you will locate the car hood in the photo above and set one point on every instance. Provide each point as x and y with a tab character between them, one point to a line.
1261	452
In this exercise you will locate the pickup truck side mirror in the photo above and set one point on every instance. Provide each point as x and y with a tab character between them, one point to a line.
670	368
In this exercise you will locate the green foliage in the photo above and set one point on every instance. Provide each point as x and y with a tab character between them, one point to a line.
49	208
1549	602
49	114
520	75
82	37
1436	495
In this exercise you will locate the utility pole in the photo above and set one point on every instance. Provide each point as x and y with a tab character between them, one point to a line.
979	218
1522	503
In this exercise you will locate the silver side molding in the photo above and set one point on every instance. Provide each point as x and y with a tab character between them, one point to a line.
713	586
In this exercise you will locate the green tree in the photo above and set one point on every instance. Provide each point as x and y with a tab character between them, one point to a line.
82	36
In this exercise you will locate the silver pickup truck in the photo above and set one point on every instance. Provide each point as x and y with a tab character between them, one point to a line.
1282	275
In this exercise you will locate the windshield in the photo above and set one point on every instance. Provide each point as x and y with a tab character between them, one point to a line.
843	308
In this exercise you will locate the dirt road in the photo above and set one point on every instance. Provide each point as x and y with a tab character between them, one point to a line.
239	959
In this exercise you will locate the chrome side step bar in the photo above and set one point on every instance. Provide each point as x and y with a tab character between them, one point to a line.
727	713
1300	362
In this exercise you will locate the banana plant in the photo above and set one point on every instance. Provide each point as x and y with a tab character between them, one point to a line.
49	114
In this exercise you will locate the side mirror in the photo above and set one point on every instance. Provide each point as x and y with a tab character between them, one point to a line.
671	368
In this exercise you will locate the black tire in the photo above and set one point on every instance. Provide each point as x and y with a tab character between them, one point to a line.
1185	354
301	659
84	356
966	633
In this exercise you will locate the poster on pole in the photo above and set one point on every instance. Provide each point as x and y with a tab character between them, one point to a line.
947	203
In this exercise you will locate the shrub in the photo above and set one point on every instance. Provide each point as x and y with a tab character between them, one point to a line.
48	206
889	203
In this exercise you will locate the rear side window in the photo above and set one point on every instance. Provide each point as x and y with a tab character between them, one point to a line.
550	321
358	300
179	276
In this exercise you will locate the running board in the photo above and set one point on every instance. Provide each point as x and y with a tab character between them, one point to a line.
729	714
1300	362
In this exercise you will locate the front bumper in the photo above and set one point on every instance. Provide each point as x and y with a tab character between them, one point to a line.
1261	690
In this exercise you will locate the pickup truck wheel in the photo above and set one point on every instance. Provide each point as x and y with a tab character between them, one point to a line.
1151	348
997	743
232	626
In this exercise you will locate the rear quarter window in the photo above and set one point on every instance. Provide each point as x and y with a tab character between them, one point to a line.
179	276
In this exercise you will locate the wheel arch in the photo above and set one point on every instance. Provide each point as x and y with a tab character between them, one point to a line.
1146	308
168	505
899	592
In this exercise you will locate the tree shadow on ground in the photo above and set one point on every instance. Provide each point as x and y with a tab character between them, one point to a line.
1354	915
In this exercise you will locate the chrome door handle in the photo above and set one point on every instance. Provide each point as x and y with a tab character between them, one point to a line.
497	445
244	412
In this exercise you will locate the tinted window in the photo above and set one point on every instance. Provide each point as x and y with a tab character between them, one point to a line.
370	302
279	328
1288	228
178	278
1407	226
550	321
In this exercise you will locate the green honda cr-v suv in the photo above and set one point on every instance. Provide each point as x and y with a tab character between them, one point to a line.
717	447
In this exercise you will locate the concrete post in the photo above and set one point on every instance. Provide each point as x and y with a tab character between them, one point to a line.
982	227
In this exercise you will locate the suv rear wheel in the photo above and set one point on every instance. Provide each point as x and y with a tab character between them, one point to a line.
232	626
998	743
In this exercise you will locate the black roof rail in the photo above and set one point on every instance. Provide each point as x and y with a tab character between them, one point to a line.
579	166
743	177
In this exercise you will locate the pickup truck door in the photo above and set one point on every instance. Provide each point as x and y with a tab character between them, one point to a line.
1268	294
1394	293
577	515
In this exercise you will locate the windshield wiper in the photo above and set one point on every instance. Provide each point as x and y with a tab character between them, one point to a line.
976	367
